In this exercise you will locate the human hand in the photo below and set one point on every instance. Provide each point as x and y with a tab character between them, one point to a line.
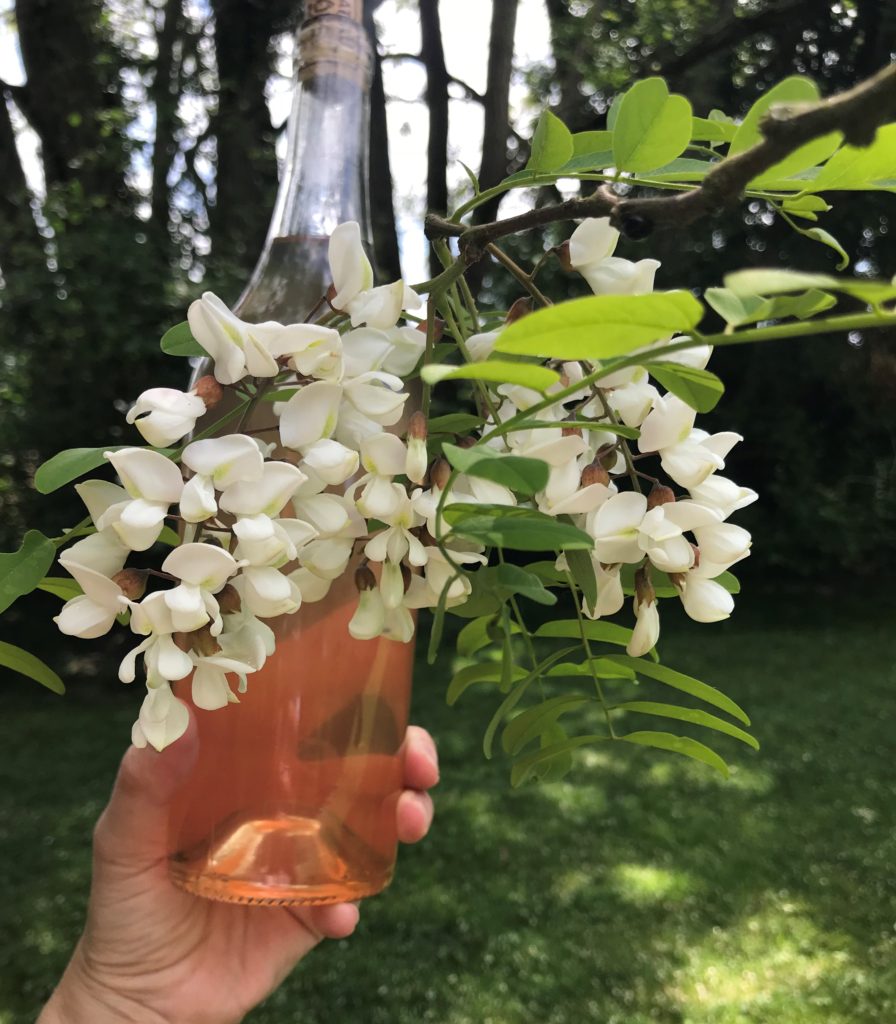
153	954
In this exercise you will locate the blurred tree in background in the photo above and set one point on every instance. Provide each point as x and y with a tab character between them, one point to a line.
156	152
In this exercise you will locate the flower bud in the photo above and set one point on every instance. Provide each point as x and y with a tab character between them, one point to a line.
659	495
594	474
466	442
364	578
204	643
520	308
562	253
644	592
438	329
331	295
417	426
571	432
132	583
439	473
229	600
209	390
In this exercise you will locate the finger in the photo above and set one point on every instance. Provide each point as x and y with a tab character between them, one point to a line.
335	921
420	760
133	829
413	815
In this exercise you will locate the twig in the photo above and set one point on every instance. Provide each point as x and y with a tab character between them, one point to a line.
857	113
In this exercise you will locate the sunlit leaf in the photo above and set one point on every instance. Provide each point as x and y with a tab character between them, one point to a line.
520	529
499	371
522	475
700	389
679	745
652	126
601	326
524	768
692	715
552	144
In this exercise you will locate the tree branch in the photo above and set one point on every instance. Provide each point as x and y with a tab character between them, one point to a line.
856	113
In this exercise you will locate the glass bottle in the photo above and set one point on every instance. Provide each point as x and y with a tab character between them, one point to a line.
292	799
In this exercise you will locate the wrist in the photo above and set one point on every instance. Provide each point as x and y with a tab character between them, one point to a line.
81	997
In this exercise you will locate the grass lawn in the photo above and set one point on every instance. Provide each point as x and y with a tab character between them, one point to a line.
644	888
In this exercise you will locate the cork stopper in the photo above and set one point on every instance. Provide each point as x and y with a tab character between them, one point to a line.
344	8
332	41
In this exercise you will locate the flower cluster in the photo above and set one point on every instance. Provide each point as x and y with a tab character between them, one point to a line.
342	481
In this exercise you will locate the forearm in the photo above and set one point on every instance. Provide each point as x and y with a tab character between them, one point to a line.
80	998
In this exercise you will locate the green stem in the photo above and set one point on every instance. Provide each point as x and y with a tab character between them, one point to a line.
586	643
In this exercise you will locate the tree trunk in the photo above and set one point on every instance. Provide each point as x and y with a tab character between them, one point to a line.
382	208
433	55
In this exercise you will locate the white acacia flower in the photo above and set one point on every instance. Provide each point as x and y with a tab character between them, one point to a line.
102	552
591	248
397	542
162	719
610	596
426	591
369	619
689	456
203	569
383	456
353	283
92	613
312	587
263	541
165	415
267	592
704	600
330	461
723	495
163	659
309	349
633	402
233	344
217	463
723	542
399	625
406	349
647	628
153	483
267	495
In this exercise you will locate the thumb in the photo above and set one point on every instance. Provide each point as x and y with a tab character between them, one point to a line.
132	831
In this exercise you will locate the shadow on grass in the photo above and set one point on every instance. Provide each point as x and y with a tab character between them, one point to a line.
641	889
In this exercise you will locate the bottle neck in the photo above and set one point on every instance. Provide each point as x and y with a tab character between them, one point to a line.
324	176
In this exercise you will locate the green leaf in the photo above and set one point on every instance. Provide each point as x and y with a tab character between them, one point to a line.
796	89
601	326
807	206
613	112
60	586
776	282
608	428
738	310
679	745
522	475
169	537
66	466
652	126
525	767
679	681
530	724
826	238
582	569
699	389
454	423
518	582
682	170
476	635
552	144
21	571
598	631
519	529
484	672
179	341
515	696
692	715
860	167
559	765
584	143
600	668
711	130
729	581
26	664
474	181
499	371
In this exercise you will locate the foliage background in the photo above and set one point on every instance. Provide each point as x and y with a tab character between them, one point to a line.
158	174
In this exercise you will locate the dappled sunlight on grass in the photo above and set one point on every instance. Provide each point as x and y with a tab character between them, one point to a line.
642	889
644	884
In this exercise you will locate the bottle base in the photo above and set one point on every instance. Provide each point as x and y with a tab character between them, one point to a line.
284	861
